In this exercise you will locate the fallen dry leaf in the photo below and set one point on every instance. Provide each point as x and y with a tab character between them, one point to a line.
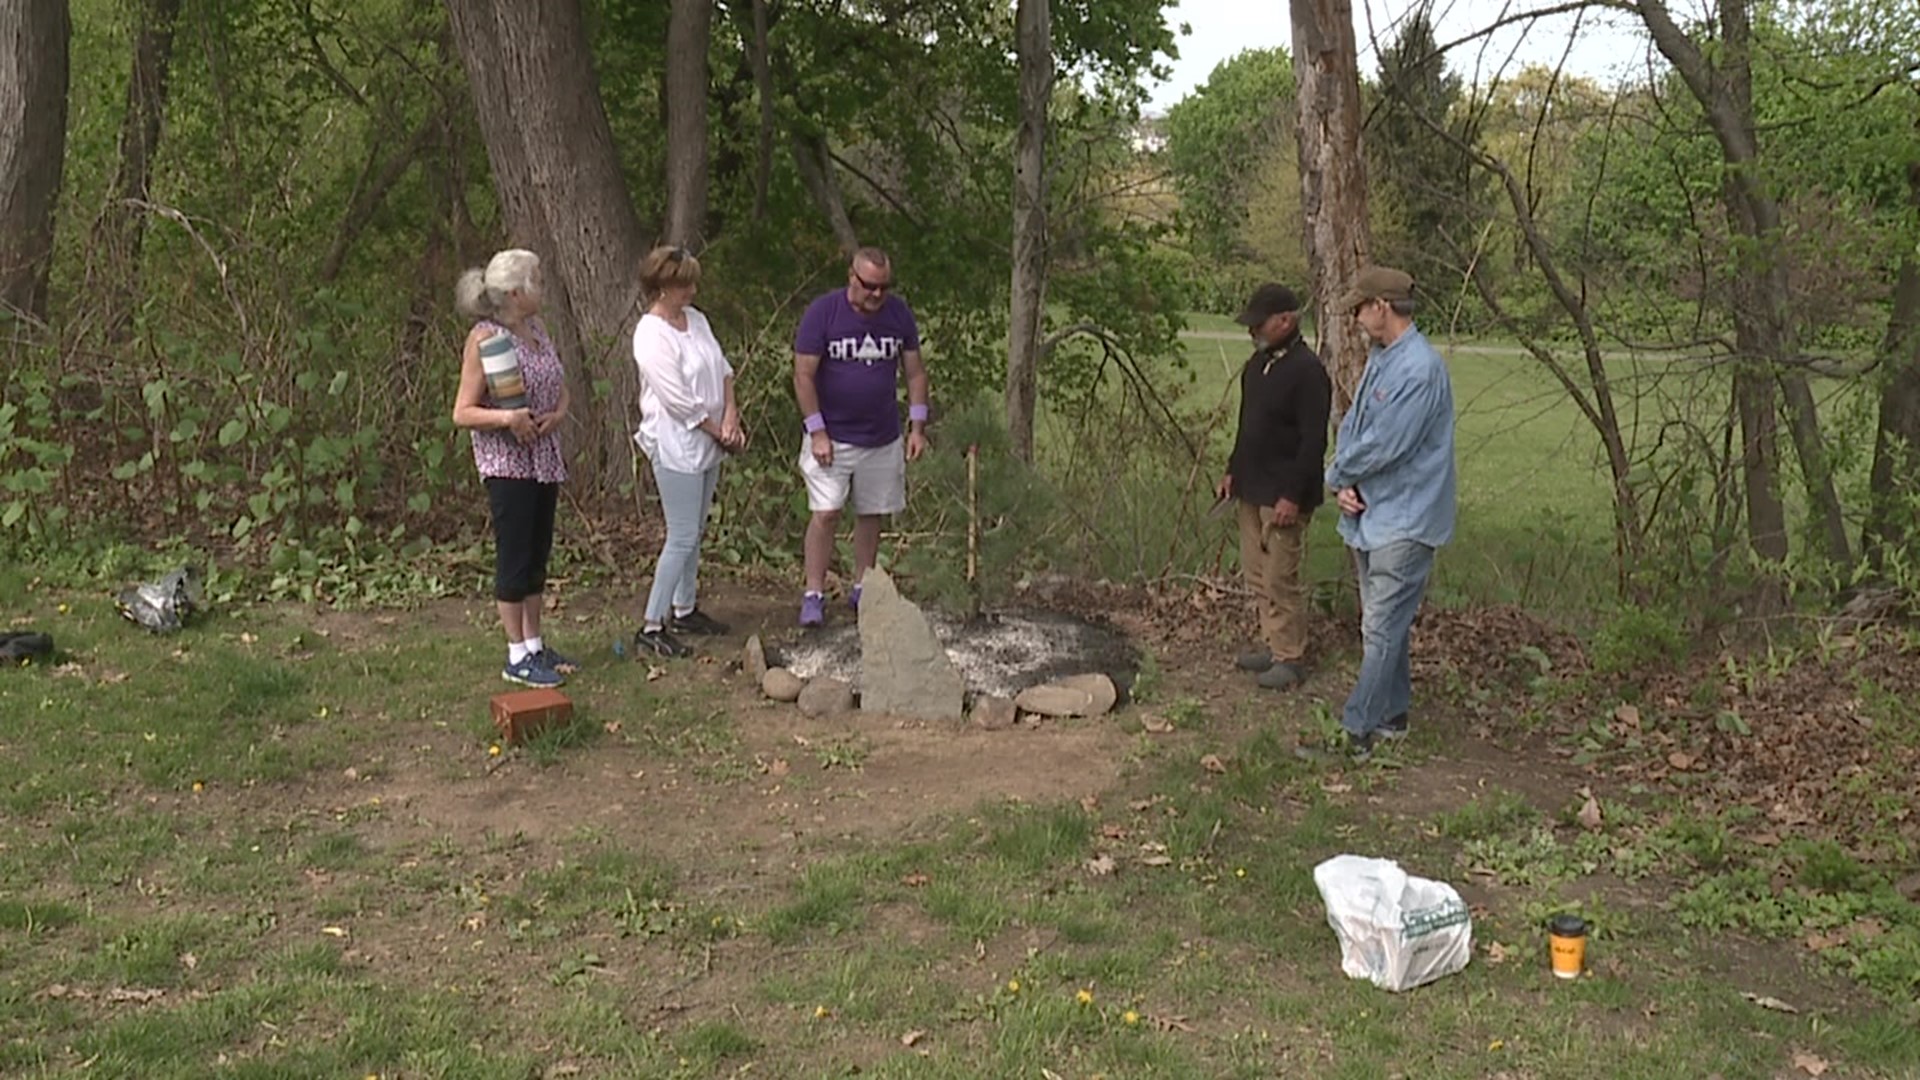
912	1037
1156	725
1810	1064
1090	803
1628	715
334	931
1101	865
1213	764
1496	953
1141	806
778	767
1590	814
1821	942
1113	831
1156	860
140	996
612	726
1771	1003
189	961
655	673
915	880
1171	1023
1336	789
1680	760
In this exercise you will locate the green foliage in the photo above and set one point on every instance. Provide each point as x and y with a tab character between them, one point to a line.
1218	135
1637	639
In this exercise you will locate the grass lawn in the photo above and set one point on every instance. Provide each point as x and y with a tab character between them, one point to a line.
281	844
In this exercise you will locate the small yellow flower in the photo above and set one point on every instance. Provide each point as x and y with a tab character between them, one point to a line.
494	750
1013	986
1240	872
1084	997
820	1012
1131	1018
198	786
64	609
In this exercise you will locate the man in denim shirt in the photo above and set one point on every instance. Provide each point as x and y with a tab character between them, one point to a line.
1393	476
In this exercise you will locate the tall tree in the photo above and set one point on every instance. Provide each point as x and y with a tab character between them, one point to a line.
1034	45
1333	179
1893	514
563	197
122	226
33	138
689	31
1761	298
1428	171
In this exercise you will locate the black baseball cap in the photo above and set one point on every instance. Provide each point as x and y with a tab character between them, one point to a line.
1267	301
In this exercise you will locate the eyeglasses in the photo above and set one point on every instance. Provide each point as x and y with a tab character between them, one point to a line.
871	286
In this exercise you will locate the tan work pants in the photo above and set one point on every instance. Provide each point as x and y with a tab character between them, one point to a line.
1270	557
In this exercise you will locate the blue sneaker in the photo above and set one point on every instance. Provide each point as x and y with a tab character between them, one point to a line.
531	672
813	610
553	661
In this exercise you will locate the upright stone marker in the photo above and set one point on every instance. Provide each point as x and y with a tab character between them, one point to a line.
904	670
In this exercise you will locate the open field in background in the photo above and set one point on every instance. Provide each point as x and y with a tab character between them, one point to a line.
281	845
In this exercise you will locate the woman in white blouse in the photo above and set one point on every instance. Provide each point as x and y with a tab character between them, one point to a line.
688	423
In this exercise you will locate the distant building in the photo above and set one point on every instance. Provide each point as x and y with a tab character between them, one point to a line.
1149	135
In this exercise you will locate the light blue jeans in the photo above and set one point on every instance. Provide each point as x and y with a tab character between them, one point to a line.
1393	578
684	501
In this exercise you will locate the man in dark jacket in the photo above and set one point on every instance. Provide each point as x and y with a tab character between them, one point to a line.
1276	475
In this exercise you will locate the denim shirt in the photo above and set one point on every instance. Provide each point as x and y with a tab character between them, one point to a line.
1396	447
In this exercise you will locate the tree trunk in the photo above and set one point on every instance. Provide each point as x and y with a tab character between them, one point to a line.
562	196
33	139
121	230
763	89
1892	510
1761	298
689	30
1333	181
815	162
1034	38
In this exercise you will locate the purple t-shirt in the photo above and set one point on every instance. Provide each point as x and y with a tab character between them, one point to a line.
859	375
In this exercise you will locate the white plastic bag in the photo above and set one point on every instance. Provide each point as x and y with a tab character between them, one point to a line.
1397	930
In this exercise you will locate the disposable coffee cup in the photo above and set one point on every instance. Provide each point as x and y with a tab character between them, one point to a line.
500	360
1567	945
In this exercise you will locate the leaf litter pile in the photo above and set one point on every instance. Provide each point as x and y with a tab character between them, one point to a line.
1821	741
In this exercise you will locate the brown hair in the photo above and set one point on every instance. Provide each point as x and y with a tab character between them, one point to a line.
668	265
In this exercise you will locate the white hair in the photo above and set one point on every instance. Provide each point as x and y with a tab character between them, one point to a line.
481	292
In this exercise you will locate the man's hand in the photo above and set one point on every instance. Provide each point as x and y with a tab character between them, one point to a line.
1224	489
916	445
1350	502
822	449
1286	514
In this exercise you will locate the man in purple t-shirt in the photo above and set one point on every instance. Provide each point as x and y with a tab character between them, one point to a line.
847	358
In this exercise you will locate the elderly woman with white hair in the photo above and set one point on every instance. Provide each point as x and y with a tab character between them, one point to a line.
513	396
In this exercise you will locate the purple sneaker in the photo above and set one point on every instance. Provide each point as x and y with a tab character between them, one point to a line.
853	599
813	609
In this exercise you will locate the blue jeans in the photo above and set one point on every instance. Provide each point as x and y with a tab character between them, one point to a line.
1393	578
684	501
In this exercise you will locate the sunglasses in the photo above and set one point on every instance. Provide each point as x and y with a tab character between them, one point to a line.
871	286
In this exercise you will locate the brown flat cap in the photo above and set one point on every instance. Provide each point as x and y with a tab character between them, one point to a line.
1376	283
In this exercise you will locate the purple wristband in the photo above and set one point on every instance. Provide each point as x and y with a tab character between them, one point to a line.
814	422
917	414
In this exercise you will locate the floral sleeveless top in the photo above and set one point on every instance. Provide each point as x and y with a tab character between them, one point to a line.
498	453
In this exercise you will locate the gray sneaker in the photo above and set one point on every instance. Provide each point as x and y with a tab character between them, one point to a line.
1395	728
1254	660
1281	676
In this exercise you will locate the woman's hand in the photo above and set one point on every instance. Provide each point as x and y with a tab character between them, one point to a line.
546	423
733	438
523	426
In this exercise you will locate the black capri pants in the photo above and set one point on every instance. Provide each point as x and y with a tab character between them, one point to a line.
522	535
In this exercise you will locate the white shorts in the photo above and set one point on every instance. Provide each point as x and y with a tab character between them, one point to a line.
875	476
